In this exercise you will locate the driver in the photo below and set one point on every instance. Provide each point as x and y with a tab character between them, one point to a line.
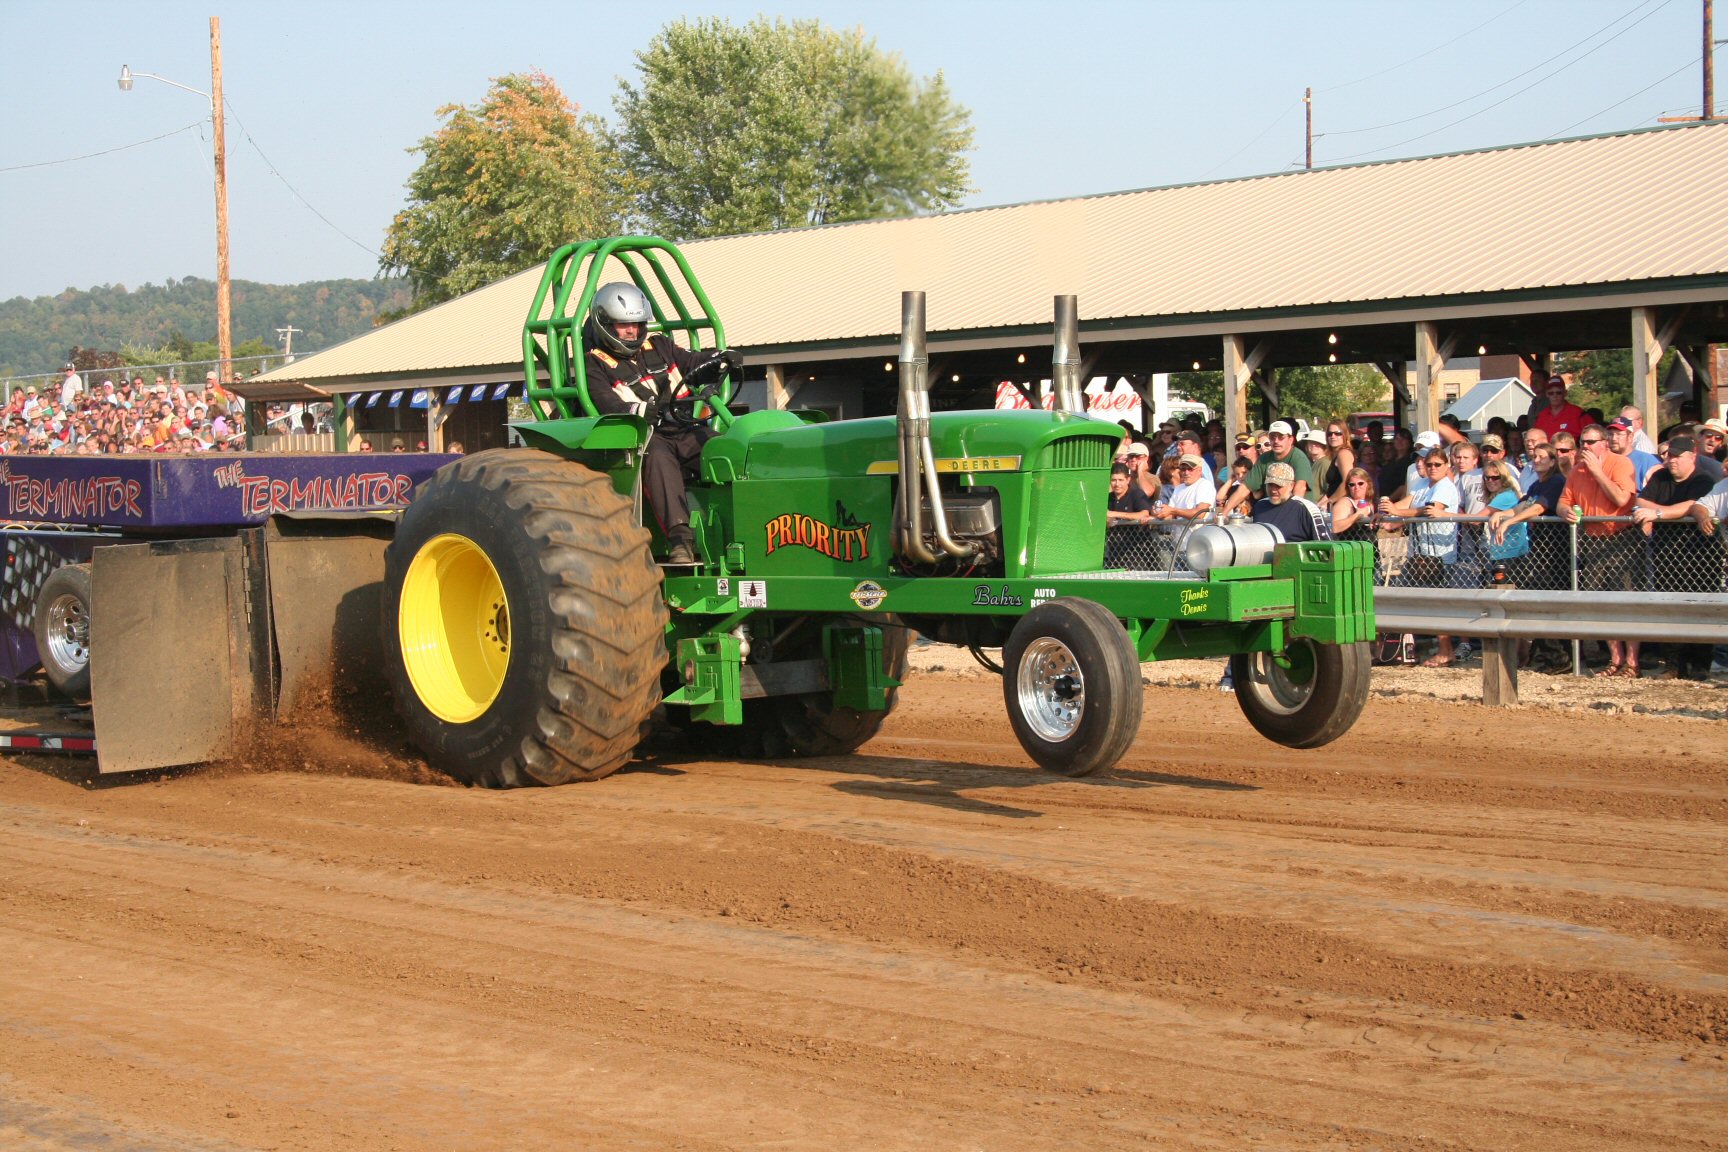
633	372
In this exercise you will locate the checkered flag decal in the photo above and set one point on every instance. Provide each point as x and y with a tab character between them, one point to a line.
29	562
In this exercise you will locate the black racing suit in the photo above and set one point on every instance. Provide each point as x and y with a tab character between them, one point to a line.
645	385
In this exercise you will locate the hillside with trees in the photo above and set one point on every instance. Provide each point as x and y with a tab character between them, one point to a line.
158	323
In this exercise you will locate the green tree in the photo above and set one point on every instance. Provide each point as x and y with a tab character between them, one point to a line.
1317	393
1330	391
781	124
500	186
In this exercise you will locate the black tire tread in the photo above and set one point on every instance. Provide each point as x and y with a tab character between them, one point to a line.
1332	708
1115	685
601	589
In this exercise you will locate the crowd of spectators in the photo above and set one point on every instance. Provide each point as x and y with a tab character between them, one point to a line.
118	415
1443	510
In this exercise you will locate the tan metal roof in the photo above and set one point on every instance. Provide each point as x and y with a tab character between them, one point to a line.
1630	208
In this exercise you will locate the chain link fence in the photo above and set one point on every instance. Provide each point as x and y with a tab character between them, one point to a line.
1602	554
1599	554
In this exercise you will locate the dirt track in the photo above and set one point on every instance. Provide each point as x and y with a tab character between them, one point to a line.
1456	928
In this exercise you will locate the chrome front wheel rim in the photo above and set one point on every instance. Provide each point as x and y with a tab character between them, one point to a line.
1051	690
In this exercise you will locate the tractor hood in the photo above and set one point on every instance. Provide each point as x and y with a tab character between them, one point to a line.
969	441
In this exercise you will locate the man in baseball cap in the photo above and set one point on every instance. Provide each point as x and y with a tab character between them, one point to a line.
1293	518
1283	439
1620	437
1142	476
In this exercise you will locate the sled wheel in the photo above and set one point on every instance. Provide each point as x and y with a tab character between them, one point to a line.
1310	703
810	723
1072	685
62	629
523	625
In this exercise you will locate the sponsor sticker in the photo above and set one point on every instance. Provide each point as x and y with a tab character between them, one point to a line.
723	586
982	597
868	595
752	593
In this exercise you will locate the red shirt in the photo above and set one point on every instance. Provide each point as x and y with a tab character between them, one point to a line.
1570	418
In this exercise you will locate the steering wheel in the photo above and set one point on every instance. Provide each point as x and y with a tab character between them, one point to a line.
705	381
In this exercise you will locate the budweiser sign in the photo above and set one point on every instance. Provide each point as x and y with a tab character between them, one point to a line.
1116	403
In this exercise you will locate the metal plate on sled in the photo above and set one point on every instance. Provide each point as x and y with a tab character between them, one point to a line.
170	652
326	590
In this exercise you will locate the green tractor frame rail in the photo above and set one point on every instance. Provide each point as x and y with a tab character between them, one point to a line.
532	633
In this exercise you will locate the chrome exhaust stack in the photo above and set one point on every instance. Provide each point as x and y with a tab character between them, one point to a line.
1065	382
919	490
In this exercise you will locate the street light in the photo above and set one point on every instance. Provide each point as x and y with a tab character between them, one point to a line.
224	339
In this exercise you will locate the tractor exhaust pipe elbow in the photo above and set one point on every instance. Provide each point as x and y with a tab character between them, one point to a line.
1065	357
913	424
918	475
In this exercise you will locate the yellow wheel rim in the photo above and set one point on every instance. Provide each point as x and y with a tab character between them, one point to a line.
454	627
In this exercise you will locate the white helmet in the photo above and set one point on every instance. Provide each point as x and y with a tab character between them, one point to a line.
618	303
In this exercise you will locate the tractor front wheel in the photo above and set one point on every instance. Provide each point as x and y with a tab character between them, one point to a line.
1310	699
1071	681
523	625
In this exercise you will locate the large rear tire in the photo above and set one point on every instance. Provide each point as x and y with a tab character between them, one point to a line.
1313	701
1071	681
62	630
523	625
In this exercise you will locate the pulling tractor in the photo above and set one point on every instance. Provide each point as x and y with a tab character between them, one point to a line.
533	630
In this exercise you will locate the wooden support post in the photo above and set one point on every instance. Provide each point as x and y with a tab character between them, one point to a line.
1646	358
1431	356
1236	374
1499	672
1240	368
1393	370
780	393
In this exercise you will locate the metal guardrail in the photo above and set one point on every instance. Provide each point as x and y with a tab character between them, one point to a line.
1520	614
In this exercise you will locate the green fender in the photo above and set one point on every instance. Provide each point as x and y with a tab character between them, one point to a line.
611	443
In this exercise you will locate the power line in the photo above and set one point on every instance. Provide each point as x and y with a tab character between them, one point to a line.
1424	55
1629	99
294	191
104	152
1250	143
1512	79
1526	88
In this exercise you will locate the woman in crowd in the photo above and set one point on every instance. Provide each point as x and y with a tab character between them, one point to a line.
1340	459
1353	512
1501	493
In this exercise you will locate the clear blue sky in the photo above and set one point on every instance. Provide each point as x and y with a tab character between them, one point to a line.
1066	99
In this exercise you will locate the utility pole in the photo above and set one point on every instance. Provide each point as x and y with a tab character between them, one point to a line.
224	333
287	336
1308	107
1709	65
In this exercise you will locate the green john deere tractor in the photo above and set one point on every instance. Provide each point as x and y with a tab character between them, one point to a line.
533	635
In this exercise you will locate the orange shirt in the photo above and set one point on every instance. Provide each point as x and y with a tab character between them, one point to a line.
1583	490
